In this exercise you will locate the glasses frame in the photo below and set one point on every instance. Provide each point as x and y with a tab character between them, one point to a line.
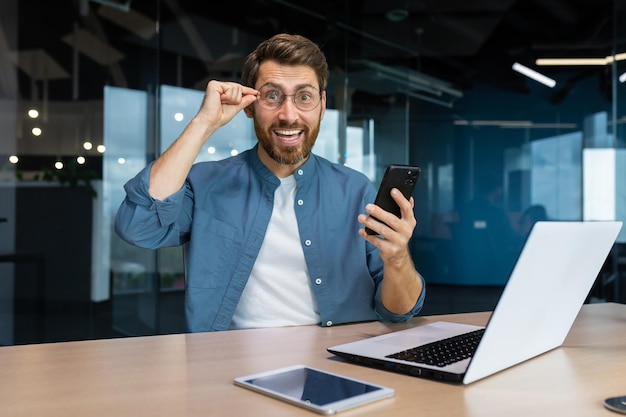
284	97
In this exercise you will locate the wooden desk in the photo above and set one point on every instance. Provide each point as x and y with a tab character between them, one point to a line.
191	374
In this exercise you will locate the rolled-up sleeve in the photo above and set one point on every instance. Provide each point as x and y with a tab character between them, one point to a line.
149	223
387	315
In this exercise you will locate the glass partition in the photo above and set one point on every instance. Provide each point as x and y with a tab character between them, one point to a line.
407	85
132	270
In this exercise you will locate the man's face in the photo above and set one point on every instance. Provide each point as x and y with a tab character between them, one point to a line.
286	133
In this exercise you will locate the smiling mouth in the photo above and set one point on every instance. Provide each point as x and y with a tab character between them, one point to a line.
288	135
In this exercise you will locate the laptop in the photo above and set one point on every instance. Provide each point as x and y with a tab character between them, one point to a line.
550	282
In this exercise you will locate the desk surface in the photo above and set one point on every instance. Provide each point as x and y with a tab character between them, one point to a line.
191	374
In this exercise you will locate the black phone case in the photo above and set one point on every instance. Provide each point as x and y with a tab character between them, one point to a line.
402	177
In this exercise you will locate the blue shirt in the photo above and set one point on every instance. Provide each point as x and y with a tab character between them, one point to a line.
221	215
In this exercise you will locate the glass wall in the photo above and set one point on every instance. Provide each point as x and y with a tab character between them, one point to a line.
114	82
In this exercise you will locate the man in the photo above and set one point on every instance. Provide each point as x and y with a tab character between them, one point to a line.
272	234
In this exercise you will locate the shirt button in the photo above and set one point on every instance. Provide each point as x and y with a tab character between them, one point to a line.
307	242
300	202
329	323
300	172
318	281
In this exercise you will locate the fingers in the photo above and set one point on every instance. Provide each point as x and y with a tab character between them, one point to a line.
392	243
385	223
223	100
406	206
234	93
230	93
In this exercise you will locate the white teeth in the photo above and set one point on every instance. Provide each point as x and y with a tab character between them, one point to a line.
287	132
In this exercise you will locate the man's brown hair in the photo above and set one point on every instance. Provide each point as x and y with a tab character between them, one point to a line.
286	49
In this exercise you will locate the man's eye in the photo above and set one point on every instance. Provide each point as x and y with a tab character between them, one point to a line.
304	96
272	96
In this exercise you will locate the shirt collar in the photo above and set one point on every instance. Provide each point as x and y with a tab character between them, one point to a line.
302	173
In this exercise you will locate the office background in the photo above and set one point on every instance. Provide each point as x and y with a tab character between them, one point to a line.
428	82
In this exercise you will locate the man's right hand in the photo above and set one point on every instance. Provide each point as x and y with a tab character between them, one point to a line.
222	101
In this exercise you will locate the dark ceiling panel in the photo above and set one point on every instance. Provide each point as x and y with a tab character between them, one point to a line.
459	42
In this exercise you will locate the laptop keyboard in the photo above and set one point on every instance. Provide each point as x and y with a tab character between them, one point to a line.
443	352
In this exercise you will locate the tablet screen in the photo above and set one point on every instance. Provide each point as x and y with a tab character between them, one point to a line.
313	386
315	389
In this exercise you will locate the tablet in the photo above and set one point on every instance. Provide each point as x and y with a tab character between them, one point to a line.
314	389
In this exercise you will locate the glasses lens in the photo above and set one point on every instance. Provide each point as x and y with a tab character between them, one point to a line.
271	98
306	98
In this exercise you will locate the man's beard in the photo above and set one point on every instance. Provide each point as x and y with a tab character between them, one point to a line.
287	155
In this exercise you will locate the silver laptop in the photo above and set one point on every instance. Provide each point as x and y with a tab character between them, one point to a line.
547	287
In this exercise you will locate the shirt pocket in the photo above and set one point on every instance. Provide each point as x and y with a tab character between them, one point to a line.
211	251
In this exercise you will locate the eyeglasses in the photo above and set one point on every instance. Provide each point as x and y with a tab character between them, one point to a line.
305	98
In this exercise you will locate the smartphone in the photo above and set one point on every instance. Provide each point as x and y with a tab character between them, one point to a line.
402	177
314	389
617	404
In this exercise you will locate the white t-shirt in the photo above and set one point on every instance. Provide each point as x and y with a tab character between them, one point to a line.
278	292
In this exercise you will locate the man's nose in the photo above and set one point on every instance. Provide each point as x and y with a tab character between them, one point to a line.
288	109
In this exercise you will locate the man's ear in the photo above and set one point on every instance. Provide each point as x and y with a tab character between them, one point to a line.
249	111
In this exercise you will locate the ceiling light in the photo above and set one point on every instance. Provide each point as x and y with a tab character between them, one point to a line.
514	124
530	73
571	61
581	61
618	57
503	123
